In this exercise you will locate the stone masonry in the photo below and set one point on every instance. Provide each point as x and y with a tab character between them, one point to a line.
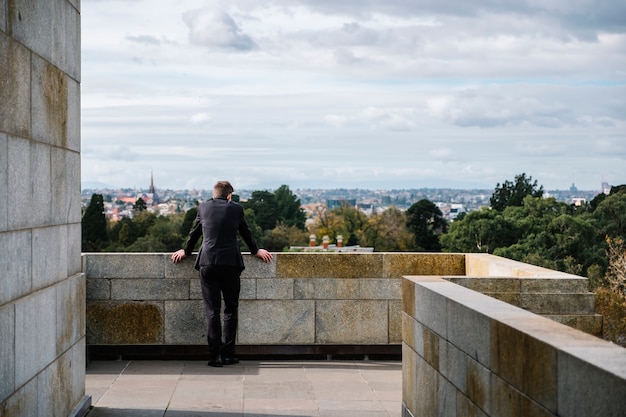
305	298
42	289
467	354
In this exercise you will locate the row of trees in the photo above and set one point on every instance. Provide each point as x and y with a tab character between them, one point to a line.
543	231
277	221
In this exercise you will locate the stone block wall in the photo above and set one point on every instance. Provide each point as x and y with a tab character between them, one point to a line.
42	289
467	354
297	299
305	299
561	297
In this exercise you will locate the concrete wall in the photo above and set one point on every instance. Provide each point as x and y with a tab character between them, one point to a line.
42	289
467	354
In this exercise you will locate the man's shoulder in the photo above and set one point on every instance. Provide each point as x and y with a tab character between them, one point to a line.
220	202
235	207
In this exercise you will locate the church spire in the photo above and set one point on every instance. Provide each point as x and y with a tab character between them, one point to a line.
151	190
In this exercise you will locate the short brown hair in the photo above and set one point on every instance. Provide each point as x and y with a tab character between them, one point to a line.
222	189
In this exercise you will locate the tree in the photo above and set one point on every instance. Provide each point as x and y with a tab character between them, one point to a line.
125	237
513	193
94	225
165	230
256	230
148	244
188	220
479	231
140	205
144	221
288	208
387	232
611	214
426	222
263	204
542	232
326	223
351	222
282	237
124	232
611	296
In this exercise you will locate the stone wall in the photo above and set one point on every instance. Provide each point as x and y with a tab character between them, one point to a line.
297	299
467	354
305	299
42	289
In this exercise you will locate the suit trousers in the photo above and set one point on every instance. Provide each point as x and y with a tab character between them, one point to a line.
219	281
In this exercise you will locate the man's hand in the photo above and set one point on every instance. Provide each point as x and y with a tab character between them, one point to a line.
264	255
178	256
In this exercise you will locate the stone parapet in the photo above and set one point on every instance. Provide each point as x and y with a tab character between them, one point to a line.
467	354
562	297
299	299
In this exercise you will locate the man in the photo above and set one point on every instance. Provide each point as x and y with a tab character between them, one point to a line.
220	264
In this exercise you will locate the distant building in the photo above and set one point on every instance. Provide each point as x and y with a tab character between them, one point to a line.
152	195
334	203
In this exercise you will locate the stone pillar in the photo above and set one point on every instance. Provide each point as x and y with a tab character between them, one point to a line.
325	241
42	289
339	241
312	240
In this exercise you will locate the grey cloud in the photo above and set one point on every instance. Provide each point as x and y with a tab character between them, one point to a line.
144	39
110	153
583	18
537	148
216	29
469	109
610	147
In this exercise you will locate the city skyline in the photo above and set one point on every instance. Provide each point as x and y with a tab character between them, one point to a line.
374	95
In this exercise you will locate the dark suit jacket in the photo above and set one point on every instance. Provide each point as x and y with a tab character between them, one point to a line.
218	222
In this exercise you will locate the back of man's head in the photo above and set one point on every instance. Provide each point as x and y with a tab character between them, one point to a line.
222	189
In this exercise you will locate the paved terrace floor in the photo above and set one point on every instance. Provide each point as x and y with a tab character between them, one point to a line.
250	388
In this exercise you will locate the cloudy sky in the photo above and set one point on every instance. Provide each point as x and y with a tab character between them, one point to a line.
375	94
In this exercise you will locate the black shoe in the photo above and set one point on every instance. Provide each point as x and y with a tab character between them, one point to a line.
230	360
216	362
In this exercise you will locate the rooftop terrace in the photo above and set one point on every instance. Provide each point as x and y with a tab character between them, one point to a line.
250	388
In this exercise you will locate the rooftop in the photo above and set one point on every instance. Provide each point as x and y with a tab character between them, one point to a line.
251	388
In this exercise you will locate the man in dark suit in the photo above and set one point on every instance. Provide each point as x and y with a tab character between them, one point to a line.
220	264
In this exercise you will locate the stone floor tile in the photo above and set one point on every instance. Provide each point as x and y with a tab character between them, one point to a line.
276	413
394	408
301	390
271	405
140	392
247	389
207	394
361	413
106	367
154	368
387	391
338	390
351	405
